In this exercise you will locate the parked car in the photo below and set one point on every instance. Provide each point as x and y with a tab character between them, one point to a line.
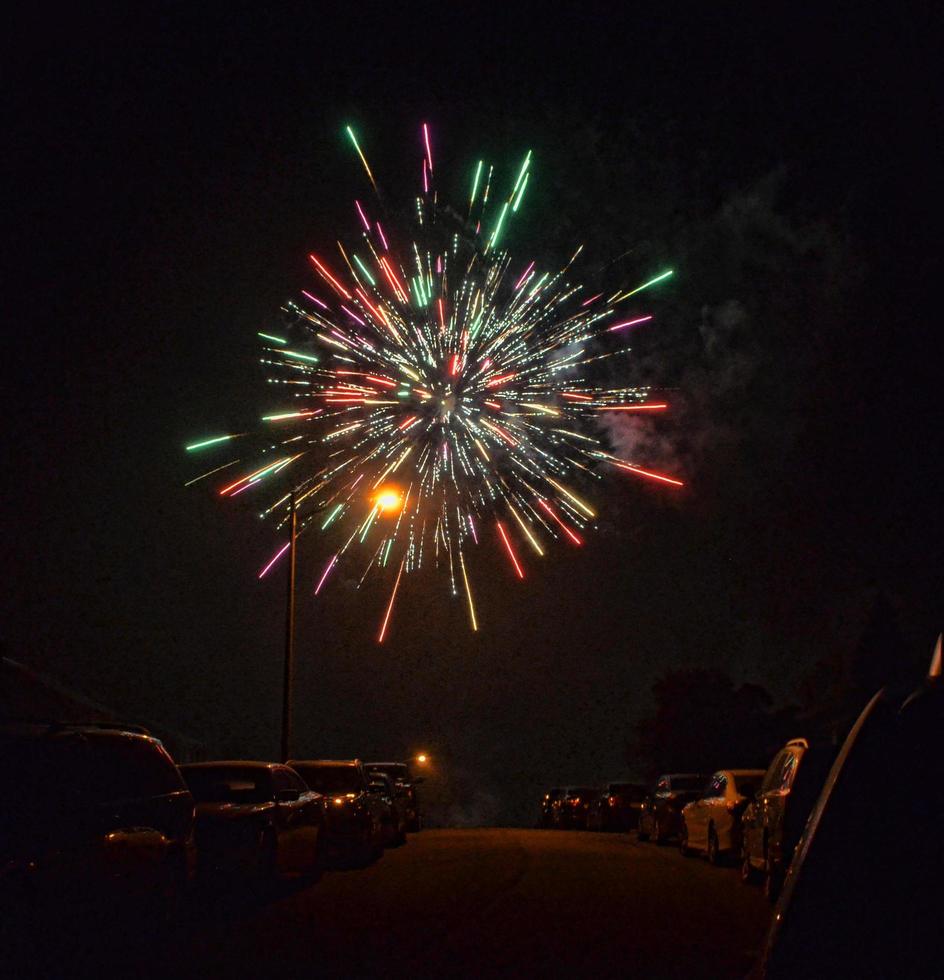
96	821
616	807
548	804
660	817
395	811
570	809
354	817
405	784
255	818
773	822
711	825
863	893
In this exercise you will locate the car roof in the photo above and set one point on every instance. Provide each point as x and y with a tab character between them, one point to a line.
741	772
37	729
323	762
230	763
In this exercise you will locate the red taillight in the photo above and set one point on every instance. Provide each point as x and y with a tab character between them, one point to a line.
612	800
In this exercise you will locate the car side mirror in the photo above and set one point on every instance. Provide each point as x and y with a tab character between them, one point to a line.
287	796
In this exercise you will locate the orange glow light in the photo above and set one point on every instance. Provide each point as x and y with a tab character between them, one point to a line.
389	500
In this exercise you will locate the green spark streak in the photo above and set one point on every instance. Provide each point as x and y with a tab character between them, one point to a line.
524	167
350	132
498	227
303	357
275	340
475	183
645	285
334	513
363	269
514	206
208	442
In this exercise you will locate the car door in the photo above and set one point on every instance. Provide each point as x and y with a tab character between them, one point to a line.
289	819
696	817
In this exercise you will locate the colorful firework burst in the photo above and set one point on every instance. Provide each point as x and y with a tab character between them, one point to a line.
438	397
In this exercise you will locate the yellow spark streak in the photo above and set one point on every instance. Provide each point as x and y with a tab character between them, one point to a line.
524	527
541	408
570	496
468	592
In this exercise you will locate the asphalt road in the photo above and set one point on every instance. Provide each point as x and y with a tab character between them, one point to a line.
485	903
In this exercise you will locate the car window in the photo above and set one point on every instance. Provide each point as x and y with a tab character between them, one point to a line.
282	779
787	770
294	780
715	787
329	780
773	773
127	767
229	784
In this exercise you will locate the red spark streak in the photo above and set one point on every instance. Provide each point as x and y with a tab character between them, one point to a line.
628	323
324	575
327	275
652	476
511	551
495	382
383	629
573	396
429	152
275	558
570	534
524	276
406	423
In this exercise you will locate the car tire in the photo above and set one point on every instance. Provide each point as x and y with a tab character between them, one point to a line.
658	834
683	843
713	853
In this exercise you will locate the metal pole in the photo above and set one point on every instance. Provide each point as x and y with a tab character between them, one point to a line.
289	665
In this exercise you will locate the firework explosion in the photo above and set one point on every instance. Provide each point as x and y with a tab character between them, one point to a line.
436	398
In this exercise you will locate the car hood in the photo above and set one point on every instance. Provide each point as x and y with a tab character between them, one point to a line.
207	812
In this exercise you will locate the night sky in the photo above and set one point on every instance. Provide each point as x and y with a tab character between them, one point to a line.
169	174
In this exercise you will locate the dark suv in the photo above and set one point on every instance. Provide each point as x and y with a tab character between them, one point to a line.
95	818
617	807
773	822
660	816
356	819
405	785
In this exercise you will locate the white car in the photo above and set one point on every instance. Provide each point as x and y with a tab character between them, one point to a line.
711	825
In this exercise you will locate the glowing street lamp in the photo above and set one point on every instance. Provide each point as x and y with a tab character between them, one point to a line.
389	500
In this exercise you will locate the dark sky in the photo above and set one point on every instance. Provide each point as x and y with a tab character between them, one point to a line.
169	173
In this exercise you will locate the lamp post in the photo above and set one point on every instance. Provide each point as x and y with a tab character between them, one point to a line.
289	664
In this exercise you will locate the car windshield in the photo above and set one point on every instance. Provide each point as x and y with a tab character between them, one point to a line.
395	770
228	784
331	779
684	783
